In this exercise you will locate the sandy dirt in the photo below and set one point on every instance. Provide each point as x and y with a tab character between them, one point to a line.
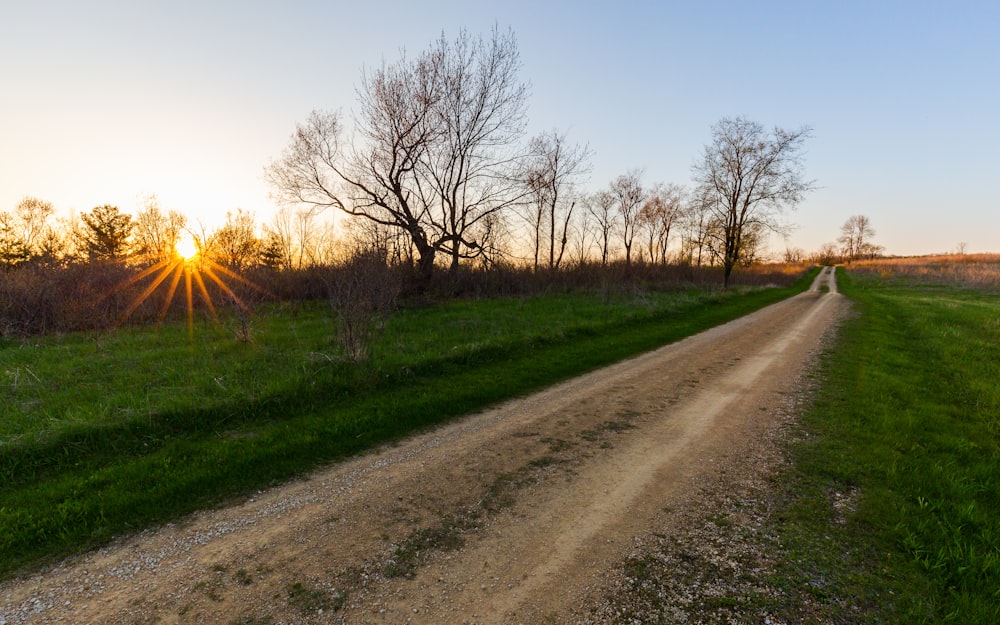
521	514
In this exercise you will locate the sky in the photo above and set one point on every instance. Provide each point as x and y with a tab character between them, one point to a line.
106	102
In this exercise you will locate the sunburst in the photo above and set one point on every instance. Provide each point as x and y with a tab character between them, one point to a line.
186	260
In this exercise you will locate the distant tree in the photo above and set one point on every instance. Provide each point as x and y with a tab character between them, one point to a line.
794	255
601	207
235	245
298	234
272	251
697	223
26	233
552	167
856	238
155	232
629	195
105	233
827	254
583	233
662	208
748	175
12	247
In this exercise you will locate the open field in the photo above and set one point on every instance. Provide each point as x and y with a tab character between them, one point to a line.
891	510
108	434
974	271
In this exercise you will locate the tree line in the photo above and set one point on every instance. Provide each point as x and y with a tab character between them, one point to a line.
436	176
436	166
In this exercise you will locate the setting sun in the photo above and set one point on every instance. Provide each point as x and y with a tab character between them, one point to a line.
186	247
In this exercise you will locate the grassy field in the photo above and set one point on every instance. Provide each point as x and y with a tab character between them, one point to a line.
892	510
104	435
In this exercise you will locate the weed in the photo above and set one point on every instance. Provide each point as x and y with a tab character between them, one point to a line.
253	620
556	444
243	578
309	600
446	536
544	461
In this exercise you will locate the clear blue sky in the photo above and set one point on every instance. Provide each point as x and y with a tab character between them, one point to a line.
104	101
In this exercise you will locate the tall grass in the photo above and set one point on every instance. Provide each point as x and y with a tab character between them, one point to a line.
977	271
904	449
107	434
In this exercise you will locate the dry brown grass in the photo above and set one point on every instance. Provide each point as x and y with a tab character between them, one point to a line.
980	271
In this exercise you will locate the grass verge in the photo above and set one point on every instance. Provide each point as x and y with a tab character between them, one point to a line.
109	435
891	514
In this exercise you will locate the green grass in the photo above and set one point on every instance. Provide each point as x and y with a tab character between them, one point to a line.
906	430
106	435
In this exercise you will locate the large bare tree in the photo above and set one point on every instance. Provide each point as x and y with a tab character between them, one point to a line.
747	175
434	150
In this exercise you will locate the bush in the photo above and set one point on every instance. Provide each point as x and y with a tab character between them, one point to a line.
362	291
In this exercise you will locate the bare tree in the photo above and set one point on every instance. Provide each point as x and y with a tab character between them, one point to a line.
235	245
26	233
748	176
601	206
552	168
662	208
156	233
482	113
697	224
856	238
629	195
435	150
295	236
826	255
583	235
794	255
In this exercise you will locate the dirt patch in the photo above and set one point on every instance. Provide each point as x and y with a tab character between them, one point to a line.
527	513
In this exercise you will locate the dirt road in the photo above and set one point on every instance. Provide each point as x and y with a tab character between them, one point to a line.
521	514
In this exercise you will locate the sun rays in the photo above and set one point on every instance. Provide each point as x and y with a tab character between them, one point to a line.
185	261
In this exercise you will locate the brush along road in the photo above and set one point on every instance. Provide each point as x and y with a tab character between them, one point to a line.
520	514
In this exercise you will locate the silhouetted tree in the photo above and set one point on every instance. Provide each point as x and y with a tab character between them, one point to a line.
235	245
105	233
628	194
155	232
434	154
747	175
551	168
601	207
26	233
662	208
856	238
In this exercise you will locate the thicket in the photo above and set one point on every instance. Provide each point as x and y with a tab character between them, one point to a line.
40	298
